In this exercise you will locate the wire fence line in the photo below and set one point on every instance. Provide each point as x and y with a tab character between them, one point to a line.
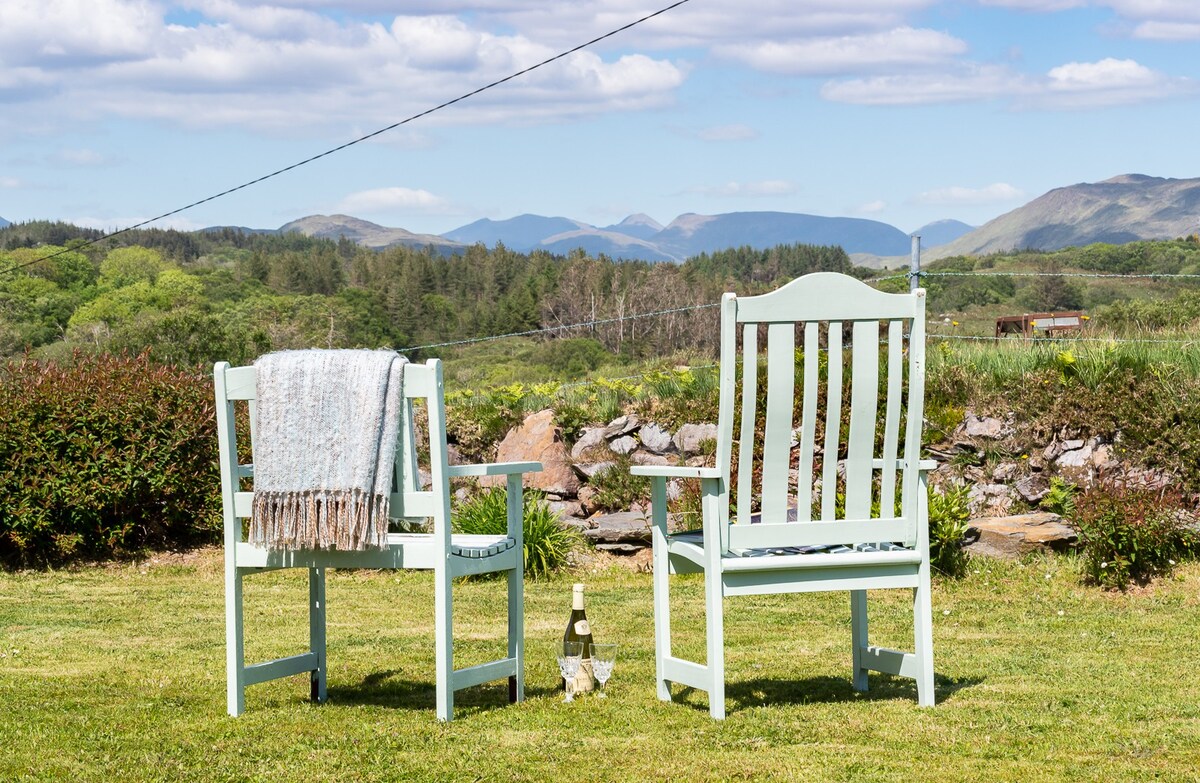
560	328
1039	341
1092	275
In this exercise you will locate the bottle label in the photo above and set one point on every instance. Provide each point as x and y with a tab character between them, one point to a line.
582	628
584	679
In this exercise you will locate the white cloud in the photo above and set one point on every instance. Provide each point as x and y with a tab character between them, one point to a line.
762	188
1074	85
392	199
1167	31
968	83
902	47
268	66
74	32
996	193
872	207
1163	10
9	182
735	132
1108	82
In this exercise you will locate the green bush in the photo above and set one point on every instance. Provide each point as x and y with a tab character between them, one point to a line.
948	516
617	489
1132	535
547	541
104	457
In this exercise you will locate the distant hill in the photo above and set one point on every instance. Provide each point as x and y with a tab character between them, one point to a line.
4	223
1118	210
940	232
639	226
243	229
690	234
366	233
608	242
641	237
523	232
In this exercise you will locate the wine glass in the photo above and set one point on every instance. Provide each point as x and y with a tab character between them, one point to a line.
604	657
570	655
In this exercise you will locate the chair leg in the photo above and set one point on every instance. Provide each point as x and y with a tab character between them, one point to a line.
516	632
715	621
858	630
443	644
662	618
235	656
923	636
316	633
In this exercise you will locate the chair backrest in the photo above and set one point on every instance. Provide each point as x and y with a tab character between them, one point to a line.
816	450
408	500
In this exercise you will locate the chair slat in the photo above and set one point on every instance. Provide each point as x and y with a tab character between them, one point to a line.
864	398
808	420
791	534
749	412
891	426
777	437
833	418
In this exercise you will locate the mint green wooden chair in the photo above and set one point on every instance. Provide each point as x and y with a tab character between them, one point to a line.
829	516
446	555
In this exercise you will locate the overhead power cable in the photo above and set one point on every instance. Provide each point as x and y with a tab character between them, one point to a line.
360	139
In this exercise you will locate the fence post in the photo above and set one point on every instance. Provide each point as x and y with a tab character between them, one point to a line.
914	267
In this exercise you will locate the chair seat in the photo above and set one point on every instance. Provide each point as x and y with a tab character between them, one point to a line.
461	544
690	544
404	550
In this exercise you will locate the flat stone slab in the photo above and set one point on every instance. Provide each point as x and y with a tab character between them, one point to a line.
622	527
1013	536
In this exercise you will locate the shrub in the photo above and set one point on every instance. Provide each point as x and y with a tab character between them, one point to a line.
547	541
1132	535
617	489
948	515
106	456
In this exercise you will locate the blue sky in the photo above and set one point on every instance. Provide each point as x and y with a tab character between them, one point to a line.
905	111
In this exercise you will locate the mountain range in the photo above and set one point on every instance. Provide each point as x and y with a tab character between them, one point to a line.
4	223
637	236
1123	209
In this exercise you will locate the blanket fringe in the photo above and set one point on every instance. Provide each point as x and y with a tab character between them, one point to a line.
347	520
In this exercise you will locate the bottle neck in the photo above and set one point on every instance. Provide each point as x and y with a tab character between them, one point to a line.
577	599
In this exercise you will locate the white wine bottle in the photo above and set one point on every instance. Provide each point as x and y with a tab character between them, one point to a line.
578	630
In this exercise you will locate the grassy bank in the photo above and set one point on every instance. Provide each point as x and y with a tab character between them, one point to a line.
117	673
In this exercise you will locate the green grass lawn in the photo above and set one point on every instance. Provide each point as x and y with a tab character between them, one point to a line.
116	673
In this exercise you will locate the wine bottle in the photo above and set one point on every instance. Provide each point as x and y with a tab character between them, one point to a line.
578	630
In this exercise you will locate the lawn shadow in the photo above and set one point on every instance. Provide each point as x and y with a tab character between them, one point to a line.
744	694
388	689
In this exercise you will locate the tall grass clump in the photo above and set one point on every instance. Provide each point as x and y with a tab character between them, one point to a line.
547	541
104	456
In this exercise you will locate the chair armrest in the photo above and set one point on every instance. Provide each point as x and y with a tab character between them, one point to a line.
494	469
675	471
901	464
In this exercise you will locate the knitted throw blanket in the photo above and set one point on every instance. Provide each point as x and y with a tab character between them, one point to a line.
325	448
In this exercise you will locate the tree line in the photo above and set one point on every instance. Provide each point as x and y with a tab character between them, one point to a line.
191	298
